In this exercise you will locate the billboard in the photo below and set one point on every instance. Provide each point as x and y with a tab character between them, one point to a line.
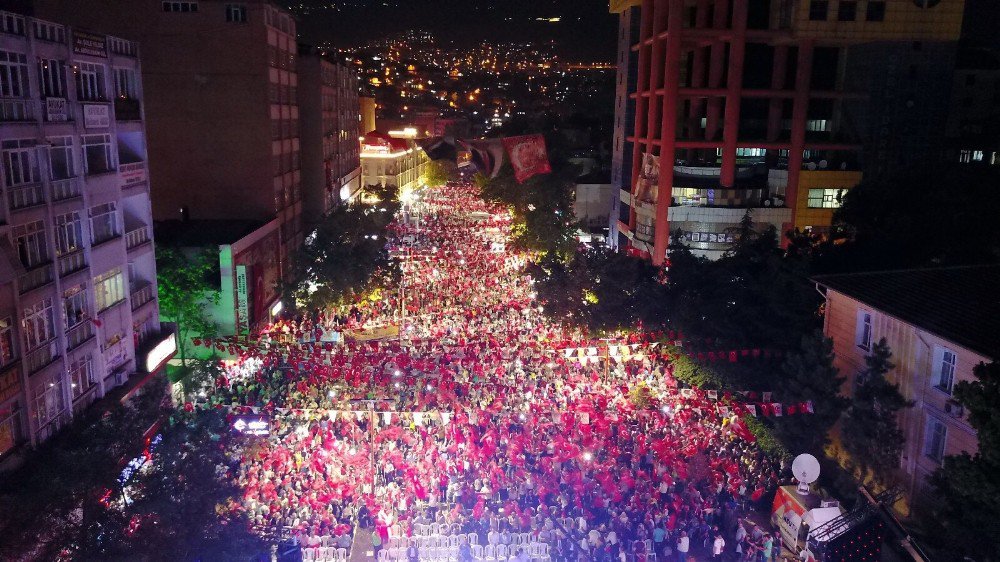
257	276
90	44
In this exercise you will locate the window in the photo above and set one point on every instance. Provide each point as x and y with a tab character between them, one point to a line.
61	158
965	156
81	376
52	78
934	439
818	10
52	32
825	198
977	155
943	365
75	308
926	3
98	157
863	335
90	82
11	23
49	402
13	75
19	162
236	13
10	424
37	322
69	233
109	288
6	340
181	7
125	83
847	10
31	245
875	10
103	223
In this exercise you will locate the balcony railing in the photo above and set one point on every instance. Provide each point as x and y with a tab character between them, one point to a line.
141	295
79	334
137	237
18	109
36	359
24	196
71	263
37	277
67	189
127	110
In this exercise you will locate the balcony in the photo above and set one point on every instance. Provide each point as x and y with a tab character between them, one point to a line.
18	110
67	189
79	334
37	359
132	174
71	263
141	295
127	110
37	277
24	196
137	237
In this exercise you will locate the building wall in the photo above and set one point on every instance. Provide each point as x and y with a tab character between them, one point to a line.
367	104
913	354
621	149
403	170
807	216
78	306
904	20
221	106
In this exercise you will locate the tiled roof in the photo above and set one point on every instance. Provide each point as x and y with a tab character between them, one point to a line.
959	304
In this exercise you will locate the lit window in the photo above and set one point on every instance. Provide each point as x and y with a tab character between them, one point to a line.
6	341
109	288
37	323
825	198
944	369
863	333
75	307
935	438
81	376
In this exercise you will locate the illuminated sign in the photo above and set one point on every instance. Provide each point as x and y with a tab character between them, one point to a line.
163	351
242	304
276	309
257	425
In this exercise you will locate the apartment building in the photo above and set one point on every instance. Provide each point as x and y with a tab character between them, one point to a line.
331	122
78	305
222	106
939	323
774	107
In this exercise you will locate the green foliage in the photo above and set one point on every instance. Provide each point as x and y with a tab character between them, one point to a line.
693	373
766	439
185	285
966	515
436	173
809	374
346	255
599	289
640	396
185	506
54	501
871	434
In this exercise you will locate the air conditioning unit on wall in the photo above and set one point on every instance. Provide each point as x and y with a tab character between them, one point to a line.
954	409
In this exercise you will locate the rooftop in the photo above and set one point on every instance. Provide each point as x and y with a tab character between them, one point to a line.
196	233
959	304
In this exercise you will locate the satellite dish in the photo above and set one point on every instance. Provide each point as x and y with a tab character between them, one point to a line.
811	166
805	469
823	164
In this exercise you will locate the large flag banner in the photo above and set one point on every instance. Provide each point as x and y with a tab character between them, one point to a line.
439	148
527	155
487	155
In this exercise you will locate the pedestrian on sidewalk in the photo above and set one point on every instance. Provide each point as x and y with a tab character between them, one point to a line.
718	547
683	546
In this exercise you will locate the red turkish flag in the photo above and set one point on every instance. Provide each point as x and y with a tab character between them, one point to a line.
527	155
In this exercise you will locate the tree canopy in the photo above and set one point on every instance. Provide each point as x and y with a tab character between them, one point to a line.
186	283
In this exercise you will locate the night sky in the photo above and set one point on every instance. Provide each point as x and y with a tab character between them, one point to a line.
587	31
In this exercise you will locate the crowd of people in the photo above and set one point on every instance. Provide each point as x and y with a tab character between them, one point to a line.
485	418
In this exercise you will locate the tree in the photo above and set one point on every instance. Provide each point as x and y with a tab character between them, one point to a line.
809	375
435	173
186	283
966	514
58	500
186	502
870	429
346	254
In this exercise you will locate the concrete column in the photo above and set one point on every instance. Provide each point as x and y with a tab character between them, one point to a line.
734	90
668	131
641	103
698	70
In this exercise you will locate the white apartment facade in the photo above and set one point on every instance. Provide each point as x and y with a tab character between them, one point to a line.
78	302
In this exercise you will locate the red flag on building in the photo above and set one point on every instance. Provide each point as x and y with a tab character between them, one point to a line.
527	155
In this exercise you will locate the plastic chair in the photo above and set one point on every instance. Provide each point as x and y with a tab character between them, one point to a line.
490	552
308	554
341	554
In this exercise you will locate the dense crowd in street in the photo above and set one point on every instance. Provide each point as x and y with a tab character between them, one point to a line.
486	422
